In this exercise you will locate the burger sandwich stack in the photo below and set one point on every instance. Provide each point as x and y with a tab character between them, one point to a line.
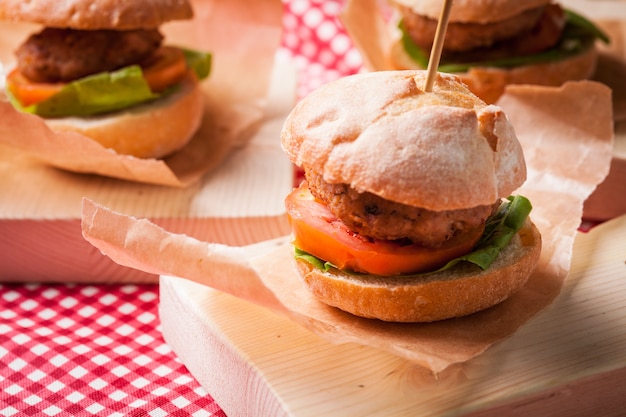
489	43
103	69
408	210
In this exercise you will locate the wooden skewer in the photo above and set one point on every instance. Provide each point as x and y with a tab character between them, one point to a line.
435	52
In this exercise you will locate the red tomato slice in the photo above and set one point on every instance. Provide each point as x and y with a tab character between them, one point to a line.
317	231
168	69
28	92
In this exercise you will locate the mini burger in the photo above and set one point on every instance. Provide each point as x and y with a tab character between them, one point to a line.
490	44
100	68
406	213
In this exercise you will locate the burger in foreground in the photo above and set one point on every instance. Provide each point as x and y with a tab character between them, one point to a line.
100	68
405	213
491	44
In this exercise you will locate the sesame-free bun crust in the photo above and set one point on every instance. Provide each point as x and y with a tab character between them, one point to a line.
489	83
380	132
151	130
96	14
459	291
476	11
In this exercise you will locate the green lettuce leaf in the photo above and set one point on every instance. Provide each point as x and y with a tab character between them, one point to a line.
95	94
586	25
199	62
500	229
314	260
109	91
578	35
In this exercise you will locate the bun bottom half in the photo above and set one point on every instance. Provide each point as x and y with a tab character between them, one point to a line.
150	130
489	83
461	290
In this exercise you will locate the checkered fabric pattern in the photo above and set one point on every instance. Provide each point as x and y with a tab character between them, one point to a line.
91	350
82	350
321	49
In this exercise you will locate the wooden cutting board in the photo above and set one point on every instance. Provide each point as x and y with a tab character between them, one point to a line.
238	203
570	360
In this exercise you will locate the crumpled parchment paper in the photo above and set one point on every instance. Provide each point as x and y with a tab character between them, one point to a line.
567	137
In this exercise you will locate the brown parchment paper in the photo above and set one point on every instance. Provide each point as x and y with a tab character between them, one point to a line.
567	136
372	26
242	37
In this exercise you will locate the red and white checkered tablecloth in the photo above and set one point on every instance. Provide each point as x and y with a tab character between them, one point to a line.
81	350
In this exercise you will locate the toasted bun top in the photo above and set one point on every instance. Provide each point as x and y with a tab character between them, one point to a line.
96	14
476	11
380	132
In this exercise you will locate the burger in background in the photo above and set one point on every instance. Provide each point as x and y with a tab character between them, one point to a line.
491	44
101	68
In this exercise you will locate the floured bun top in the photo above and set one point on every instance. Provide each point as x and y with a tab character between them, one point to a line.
475	11
380	132
96	14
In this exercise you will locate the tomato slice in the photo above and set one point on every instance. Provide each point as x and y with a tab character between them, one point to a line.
28	92
168	68
318	231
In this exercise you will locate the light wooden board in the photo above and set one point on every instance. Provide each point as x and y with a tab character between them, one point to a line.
239	203
570	360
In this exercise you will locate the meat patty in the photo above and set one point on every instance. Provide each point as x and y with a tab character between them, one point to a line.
462	36
373	216
62	55
543	36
